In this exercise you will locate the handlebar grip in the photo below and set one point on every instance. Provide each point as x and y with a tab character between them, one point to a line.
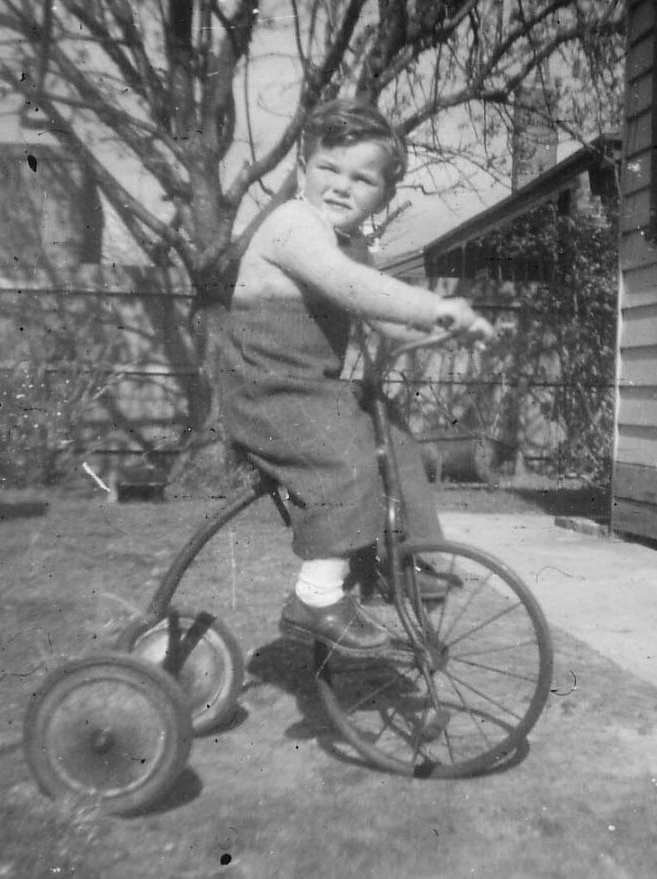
431	340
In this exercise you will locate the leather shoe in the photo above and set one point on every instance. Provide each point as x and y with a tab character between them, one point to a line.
369	574
343	626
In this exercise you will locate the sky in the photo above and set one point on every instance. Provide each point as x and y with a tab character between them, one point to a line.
271	87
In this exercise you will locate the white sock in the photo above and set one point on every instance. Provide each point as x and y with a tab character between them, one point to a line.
320	581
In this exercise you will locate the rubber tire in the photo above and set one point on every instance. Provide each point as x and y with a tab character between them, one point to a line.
207	712
152	688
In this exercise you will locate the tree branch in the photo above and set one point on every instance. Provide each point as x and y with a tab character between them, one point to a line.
131	210
122	123
297	36
283	194
180	55
476	90
311	90
319	77
142	78
404	33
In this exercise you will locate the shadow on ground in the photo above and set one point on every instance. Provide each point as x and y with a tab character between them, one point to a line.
289	667
590	502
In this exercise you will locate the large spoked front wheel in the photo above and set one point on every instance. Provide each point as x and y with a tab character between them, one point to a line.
464	698
111	729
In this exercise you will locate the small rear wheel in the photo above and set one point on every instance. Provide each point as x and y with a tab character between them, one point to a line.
112	729
210	669
465	695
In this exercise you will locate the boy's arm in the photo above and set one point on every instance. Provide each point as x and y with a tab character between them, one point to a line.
304	246
479	330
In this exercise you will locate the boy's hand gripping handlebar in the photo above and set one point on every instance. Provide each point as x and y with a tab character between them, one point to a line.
479	332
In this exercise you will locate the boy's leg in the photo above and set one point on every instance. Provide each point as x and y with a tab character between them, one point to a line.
321	448
366	564
320	581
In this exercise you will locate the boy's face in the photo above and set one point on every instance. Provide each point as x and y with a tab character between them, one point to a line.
347	183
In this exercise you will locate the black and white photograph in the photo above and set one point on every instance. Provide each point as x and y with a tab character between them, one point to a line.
328	439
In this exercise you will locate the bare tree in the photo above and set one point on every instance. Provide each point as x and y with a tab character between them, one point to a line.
173	83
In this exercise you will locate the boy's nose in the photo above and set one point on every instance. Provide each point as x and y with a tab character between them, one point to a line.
341	185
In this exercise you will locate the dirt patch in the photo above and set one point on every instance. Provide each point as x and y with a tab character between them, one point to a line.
278	794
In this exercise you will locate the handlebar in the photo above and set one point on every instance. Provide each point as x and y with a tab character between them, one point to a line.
442	336
376	366
431	340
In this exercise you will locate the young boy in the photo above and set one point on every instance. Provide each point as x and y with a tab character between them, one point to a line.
301	283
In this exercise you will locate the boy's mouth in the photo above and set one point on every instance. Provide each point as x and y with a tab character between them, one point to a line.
334	203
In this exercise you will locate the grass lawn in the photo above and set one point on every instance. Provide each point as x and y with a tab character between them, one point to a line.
275	796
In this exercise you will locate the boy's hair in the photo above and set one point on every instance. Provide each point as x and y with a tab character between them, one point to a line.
346	121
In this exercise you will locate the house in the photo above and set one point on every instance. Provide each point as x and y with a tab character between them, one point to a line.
454	260
579	184
95	355
634	486
521	397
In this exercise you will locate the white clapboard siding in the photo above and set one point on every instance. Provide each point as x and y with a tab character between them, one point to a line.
634	507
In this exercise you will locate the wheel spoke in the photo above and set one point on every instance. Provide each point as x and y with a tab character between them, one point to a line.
530	679
488	699
370	696
469	712
466	606
418	744
503	648
502	613
388	726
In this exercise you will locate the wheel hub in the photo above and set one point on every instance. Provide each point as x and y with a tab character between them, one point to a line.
102	740
436	653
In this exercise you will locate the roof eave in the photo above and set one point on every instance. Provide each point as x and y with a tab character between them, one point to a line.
602	148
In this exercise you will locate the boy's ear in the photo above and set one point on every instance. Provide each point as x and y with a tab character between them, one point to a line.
301	173
387	197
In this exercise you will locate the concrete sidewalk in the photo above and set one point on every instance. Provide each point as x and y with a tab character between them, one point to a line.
602	590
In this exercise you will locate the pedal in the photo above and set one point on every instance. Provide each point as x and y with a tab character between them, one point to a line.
434	725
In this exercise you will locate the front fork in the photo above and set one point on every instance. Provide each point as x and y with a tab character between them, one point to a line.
400	577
